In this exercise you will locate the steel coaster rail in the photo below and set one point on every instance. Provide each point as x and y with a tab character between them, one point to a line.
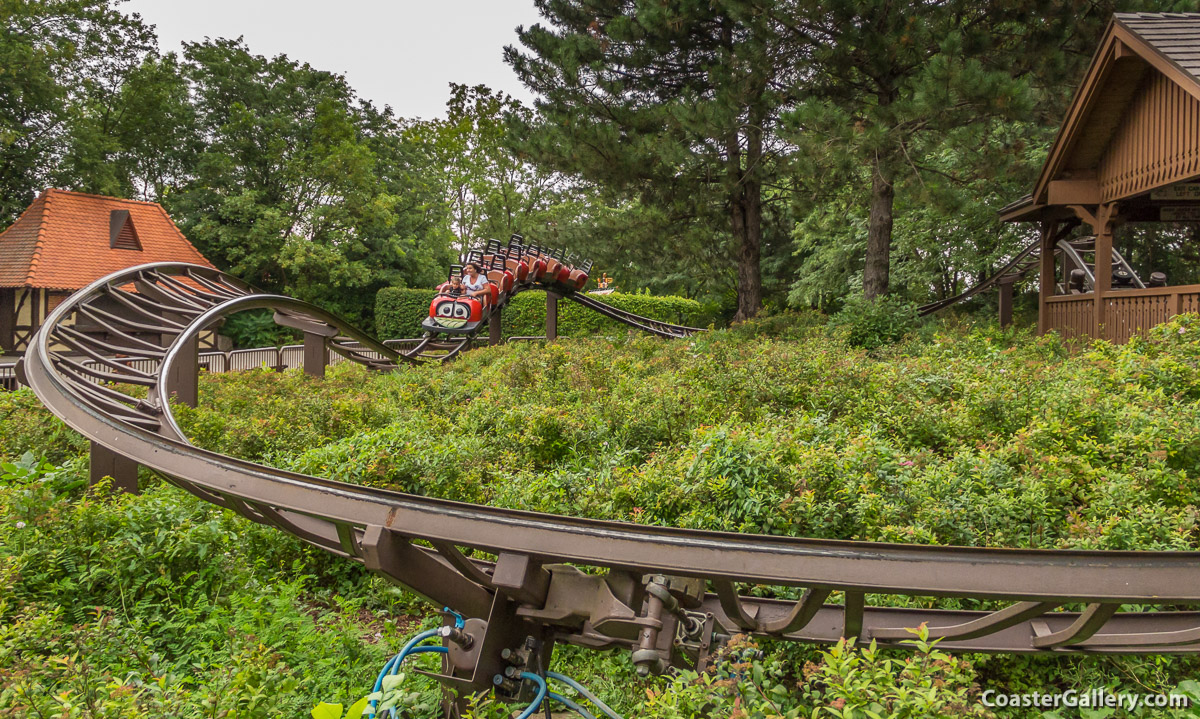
664	594
1074	251
1026	261
646	324
199	289
649	325
452	348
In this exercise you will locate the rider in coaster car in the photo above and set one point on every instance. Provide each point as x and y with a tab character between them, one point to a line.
475	283
455	287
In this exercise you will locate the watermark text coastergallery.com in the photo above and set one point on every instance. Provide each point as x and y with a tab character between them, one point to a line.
1087	698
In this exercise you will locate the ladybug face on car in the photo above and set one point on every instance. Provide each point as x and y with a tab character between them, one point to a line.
451	313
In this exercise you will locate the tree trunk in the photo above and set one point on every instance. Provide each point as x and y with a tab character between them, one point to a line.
746	210
879	232
747	231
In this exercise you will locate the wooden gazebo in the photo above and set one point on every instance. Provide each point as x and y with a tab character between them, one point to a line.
1128	151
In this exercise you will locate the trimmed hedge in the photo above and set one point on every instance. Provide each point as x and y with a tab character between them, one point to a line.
400	311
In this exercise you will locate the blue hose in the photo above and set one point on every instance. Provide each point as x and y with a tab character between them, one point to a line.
410	648
429	649
537	701
395	661
393	664
434	649
570	705
412	643
583	692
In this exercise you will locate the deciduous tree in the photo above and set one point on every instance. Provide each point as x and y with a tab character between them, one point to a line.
490	192
301	187
54	55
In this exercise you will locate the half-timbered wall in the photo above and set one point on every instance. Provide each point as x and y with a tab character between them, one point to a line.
1157	142
30	310
26	308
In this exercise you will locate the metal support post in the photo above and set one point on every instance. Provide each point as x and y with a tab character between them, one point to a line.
183	382
103	462
551	316
316	356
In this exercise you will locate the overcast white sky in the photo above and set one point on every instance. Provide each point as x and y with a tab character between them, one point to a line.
402	53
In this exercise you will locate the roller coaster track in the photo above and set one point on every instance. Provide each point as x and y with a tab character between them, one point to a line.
1028	260
1020	265
429	346
654	327
526	580
435	348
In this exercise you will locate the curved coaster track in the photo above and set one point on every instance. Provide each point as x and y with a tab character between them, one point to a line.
1073	255
525	581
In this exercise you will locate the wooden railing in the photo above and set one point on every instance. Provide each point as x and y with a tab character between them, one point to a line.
1072	315
1127	313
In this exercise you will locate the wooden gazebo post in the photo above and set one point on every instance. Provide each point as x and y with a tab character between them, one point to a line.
1046	285
1102	226
1006	300
1103	271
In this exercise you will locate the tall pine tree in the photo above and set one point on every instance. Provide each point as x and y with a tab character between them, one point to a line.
892	81
674	101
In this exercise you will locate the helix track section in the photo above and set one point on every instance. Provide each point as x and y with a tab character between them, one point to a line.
525	581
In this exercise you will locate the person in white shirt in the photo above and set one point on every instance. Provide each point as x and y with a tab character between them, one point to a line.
475	283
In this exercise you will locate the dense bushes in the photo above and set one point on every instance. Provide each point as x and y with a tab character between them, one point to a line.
26	427
971	437
161	605
257	328
399	312
979	439
871	324
846	683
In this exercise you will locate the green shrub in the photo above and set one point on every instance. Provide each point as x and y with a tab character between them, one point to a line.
27	426
257	328
871	324
259	409
400	311
789	324
160	605
847	683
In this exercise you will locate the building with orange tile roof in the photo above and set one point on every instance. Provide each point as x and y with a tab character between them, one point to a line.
64	241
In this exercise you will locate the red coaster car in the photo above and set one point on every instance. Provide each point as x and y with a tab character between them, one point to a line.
559	271
577	280
519	269
501	277
453	314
